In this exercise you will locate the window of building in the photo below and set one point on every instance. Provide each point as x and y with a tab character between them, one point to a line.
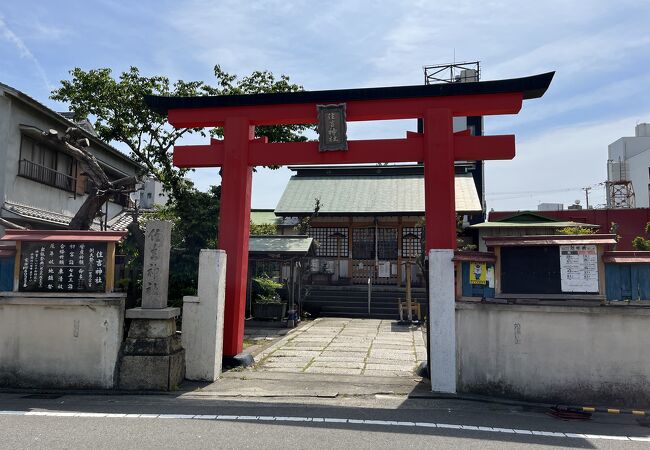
44	164
331	241
387	243
411	242
363	243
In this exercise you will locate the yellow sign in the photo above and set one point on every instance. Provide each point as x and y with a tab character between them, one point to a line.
477	273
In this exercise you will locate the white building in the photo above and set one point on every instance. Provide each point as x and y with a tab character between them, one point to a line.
629	160
41	186
152	193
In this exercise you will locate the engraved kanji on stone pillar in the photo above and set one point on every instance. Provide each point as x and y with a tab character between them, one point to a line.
155	277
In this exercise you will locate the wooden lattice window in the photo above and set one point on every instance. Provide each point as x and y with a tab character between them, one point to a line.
387	243
363	243
330	241
411	247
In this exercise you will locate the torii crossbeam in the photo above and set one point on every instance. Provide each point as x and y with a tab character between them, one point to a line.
438	147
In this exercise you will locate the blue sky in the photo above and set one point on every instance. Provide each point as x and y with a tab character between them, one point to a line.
600	50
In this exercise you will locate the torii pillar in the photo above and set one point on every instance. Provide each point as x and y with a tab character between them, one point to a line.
438	147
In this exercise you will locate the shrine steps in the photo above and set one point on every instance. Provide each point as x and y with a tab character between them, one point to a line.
352	301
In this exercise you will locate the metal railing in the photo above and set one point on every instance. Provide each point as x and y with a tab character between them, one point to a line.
46	175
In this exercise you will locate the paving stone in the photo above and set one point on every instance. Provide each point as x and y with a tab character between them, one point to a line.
305	348
386	373
279	364
392	354
335	353
283	369
348	348
333	370
342	358
295	353
338	364
383	346
392	367
289	358
349	341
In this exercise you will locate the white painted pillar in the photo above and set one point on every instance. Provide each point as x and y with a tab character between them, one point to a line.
203	317
442	321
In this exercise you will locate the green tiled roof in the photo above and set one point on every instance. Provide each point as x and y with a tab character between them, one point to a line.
263	217
363	194
296	245
530	219
527	224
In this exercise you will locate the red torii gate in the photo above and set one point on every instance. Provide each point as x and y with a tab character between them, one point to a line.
438	147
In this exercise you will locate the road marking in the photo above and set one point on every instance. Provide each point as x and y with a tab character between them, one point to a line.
326	420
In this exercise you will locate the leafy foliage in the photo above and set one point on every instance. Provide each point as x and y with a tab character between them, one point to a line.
117	105
641	243
461	244
263	229
265	290
195	216
576	230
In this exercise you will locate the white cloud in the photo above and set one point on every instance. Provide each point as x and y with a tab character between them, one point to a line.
11	37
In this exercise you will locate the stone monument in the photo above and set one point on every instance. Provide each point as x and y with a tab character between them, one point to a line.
152	355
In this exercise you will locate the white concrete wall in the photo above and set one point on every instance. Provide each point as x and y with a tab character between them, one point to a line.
203	318
69	341
575	355
442	327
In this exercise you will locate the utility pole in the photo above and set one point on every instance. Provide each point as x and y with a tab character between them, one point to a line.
587	189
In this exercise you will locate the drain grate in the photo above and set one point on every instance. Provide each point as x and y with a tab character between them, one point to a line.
568	414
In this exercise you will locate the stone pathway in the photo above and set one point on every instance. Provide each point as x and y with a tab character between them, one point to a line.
348	347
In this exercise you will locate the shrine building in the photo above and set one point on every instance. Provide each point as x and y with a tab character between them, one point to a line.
370	219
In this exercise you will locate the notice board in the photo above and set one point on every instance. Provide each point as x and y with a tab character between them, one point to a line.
579	268
63	266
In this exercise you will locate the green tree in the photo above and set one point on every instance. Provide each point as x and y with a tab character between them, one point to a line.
116	104
641	243
195	217
121	116
262	229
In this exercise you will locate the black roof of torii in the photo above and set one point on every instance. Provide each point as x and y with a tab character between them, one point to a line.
532	87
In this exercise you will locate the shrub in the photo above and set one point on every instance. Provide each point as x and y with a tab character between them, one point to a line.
265	290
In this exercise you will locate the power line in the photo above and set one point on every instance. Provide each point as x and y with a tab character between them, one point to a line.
527	193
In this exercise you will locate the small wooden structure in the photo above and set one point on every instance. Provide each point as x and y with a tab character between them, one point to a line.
281	257
550	267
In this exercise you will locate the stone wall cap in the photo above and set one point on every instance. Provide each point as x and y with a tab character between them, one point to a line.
612	309
153	313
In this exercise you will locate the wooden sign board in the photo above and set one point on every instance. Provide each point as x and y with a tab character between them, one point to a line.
332	127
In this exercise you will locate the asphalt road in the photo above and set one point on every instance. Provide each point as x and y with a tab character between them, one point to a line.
188	422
